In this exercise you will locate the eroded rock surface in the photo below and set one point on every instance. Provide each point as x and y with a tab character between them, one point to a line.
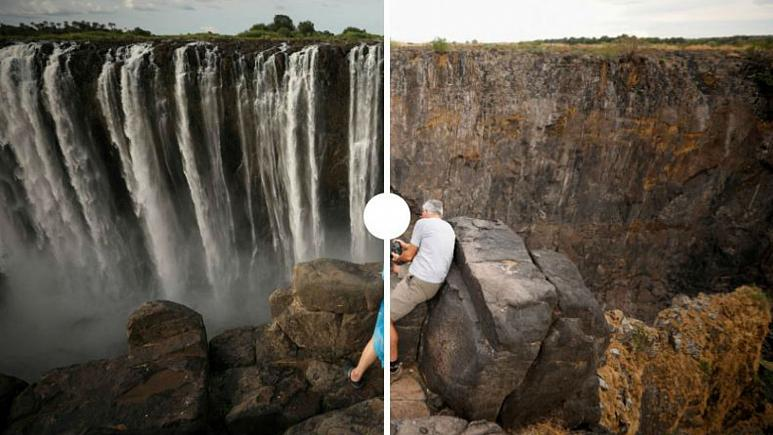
506	339
652	171
688	372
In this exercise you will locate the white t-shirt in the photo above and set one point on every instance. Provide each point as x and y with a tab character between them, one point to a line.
435	239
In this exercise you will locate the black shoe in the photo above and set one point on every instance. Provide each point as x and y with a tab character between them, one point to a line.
395	374
355	384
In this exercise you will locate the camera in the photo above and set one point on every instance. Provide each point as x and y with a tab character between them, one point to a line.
396	248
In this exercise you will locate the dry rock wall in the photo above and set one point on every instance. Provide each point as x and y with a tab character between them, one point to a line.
652	171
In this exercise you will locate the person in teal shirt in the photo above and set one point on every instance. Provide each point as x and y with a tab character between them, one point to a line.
373	351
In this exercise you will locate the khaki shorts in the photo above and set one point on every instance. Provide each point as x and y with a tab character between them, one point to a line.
408	293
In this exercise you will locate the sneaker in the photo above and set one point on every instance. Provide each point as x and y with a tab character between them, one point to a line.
355	384
395	374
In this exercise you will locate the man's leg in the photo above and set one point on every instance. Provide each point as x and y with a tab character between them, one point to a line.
367	359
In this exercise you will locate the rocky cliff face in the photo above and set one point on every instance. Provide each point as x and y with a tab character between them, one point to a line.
652	171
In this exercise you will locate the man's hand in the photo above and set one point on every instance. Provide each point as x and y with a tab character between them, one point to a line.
409	251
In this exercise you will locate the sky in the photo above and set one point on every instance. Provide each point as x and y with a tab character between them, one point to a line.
192	16
527	20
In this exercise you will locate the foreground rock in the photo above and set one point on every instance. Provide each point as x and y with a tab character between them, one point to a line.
10	387
444	425
512	340
266	379
687	373
364	418
159	387
262	379
330	311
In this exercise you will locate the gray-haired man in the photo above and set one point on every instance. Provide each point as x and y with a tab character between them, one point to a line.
431	251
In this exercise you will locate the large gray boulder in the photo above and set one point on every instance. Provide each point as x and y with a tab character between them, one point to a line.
158	388
513	339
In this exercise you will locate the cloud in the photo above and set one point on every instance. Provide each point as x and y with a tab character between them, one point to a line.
157	5
37	8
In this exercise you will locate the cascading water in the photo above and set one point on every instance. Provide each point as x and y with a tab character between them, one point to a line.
203	175
365	125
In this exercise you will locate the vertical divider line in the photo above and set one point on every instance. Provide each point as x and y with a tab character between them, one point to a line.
387	170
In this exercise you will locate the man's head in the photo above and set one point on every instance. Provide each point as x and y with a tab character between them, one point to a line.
432	208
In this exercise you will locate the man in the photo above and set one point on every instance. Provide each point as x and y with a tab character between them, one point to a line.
430	252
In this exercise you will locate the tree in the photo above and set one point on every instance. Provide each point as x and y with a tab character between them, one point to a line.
282	22
306	28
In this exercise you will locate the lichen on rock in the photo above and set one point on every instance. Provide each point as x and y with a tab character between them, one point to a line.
687	372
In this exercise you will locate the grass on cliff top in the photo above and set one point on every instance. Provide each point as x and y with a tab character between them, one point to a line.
605	46
98	36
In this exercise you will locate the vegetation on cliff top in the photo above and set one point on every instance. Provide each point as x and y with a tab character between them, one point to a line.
611	46
281	28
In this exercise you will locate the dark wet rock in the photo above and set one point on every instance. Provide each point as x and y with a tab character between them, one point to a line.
272	344
508	340
233	348
166	329
271	398
444	425
364	418
10	387
649	171
160	387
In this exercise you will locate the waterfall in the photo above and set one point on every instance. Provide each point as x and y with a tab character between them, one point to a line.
202	158
365	64
25	129
124	104
199	173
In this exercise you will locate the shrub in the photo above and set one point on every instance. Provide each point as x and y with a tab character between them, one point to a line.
440	45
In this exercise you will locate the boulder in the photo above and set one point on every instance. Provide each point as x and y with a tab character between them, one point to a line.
160	329
160	387
330	311
337	286
502	327
364	418
10	387
444	425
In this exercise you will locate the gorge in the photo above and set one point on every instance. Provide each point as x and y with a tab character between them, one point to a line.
198	172
651	169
